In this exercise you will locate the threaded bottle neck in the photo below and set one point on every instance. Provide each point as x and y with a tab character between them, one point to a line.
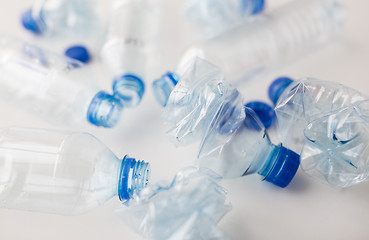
134	176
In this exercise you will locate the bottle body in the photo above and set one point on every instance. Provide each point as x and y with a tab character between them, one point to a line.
214	17
55	172
62	17
52	87
272	40
65	173
306	100
130	46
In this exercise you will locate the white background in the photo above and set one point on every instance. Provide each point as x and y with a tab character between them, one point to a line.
306	209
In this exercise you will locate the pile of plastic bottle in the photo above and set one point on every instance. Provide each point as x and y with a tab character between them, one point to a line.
84	67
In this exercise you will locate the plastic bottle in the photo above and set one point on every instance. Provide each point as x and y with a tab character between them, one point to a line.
130	47
326	123
61	17
274	39
64	173
298	103
214	17
204	107
189	207
53	87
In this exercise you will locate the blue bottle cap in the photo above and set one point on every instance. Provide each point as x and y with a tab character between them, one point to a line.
258	6
30	23
284	168
104	110
79	53
277	87
263	111
134	176
129	89
163	86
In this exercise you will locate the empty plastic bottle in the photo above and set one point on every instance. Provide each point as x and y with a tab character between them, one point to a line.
61	17
65	173
204	107
213	17
189	207
274	39
298	103
53	87
130	46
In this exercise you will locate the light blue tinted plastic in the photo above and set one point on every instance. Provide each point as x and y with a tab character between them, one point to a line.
55	88
129	89
216	16
62	172
306	100
189	207
337	147
204	108
61	17
163	87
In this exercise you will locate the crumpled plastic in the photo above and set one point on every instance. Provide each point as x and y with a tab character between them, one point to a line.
337	147
204	108
189	207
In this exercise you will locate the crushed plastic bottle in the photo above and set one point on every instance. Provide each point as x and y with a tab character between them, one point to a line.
216	16
301	102
131	46
61	17
53	87
326	122
204	108
189	207
275	39
63	172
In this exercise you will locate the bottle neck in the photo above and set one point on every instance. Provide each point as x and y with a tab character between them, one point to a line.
163	87
134	176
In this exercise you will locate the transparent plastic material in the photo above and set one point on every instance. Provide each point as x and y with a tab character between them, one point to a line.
273	40
189	207
306	100
64	173
62	17
204	108
337	147
131	46
55	88
215	16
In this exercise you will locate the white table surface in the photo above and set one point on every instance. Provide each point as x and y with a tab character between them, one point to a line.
306	209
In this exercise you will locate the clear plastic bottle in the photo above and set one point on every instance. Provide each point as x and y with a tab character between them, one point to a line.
53	87
61	17
64	173
215	16
131	46
274	39
326	122
298	103
204	107
189	207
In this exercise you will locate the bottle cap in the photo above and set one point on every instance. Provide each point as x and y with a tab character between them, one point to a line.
30	23
284	167
134	176
163	86
258	6
263	111
79	53
277	87
104	110
129	89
